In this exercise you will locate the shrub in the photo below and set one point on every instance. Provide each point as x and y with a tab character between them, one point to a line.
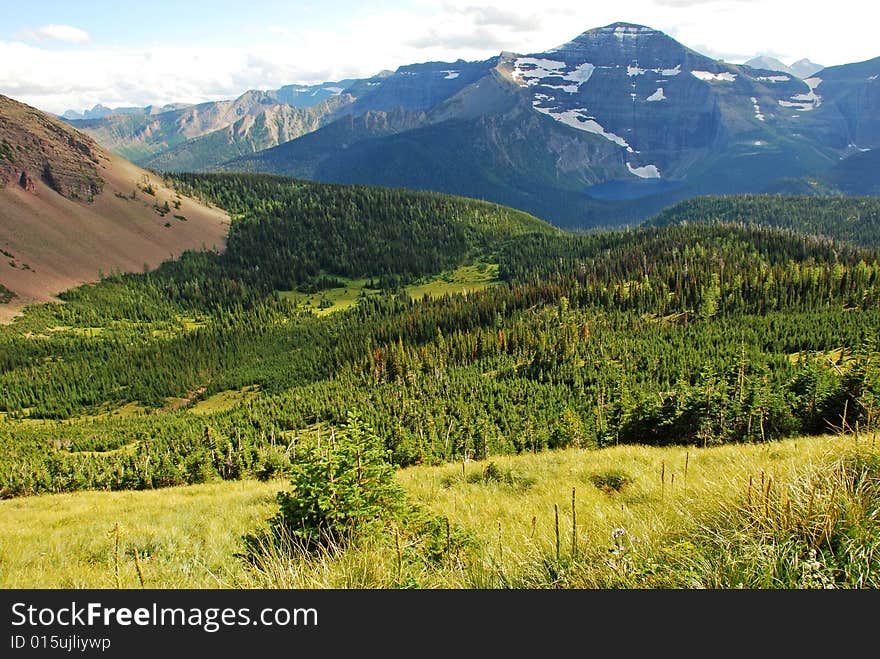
339	490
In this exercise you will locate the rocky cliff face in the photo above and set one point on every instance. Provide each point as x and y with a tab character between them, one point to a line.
303	157
144	136
34	146
851	93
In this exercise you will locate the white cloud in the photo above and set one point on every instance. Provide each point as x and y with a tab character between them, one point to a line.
57	33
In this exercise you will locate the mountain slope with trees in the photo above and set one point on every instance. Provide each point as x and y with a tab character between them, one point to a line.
689	333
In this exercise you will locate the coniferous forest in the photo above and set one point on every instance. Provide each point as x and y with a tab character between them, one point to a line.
725	320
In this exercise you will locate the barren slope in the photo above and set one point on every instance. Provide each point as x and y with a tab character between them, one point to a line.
52	240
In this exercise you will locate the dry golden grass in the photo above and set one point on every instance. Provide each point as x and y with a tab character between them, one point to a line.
185	537
637	517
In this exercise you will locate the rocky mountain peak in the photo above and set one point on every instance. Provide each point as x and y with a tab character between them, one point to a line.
804	68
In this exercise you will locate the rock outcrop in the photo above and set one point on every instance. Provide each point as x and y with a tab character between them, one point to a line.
32	141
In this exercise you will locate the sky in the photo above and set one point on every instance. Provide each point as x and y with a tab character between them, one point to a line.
72	54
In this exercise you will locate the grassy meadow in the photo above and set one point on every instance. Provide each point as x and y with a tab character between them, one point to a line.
795	513
464	279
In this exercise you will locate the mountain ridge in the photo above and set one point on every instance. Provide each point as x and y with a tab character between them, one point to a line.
637	120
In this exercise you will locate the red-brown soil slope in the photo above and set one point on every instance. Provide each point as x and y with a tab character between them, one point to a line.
70	210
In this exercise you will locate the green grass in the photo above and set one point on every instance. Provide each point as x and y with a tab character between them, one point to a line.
122	412
796	513
225	400
464	279
333	299
184	537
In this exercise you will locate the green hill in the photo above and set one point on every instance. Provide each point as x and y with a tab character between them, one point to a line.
289	232
855	220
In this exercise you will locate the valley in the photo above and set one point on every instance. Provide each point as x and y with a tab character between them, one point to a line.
603	316
513	345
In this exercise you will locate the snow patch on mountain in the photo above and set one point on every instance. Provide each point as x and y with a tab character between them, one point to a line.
531	71
773	78
633	71
630	31
538	69
758	114
646	171
582	121
805	102
450	75
708	76
581	73
657	95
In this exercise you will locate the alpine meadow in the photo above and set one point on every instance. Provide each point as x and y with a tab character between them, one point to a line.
599	316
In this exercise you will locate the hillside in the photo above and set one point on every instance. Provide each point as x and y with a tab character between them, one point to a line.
289	233
70	211
855	220
859	174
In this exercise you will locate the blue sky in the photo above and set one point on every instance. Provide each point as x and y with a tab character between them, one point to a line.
162	22
73	54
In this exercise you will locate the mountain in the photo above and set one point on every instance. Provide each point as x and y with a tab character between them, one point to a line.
100	111
803	68
140	135
267	126
70	210
160	136
768	63
609	127
306	96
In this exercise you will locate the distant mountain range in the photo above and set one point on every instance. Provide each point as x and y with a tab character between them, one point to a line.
606	129
803	68
100	111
